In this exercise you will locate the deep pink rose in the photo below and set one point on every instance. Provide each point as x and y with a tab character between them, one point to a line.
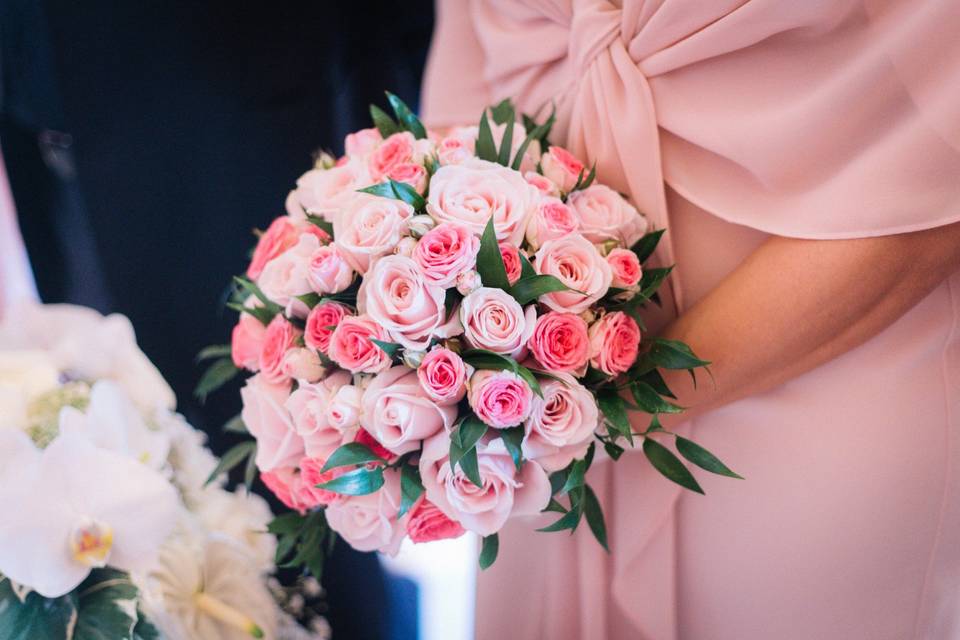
268	420
445	252
369	227
562	167
412	174
500	398
614	343
309	495
577	264
351	347
398	412
561	423
511	261
279	337
605	215
364	437
279	236
285	483
493	320
321	322
443	375
546	186
626	268
246	342
427	523
308	409
328	270
362	143
560	342
552	219
395	150
370	522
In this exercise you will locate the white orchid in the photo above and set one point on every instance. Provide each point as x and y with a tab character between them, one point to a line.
72	507
24	374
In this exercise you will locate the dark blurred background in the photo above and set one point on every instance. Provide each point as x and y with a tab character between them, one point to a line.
145	140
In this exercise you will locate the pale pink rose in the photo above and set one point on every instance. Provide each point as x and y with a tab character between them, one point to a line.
476	190
351	347
321	322
562	168
406	247
328	270
287	276
286	485
504	493
396	295
445	252
428	524
499	398
343	411
560	342
398	412
614	343
395	150
511	261
546	186
578	264
305	227
412	174
303	364
310	476
322	192
362	143
365	438
279	337
468	282
561	423
494	321
606	215
443	375
370	227
370	522
308	408
458	146
425	148
246	342
626	268
552	219
268	420
279	236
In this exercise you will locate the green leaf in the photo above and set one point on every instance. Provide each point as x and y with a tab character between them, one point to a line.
530	379
503	111
575	477
558	479
615	411
36	618
594	514
655	380
317	221
384	123
669	465
489	550
286	523
463	451
359	482
646	245
486	148
613	450
534	132
649	401
651	280
490	261
144	630
673	354
214	351
234	456
408	194
703	458
217	374
389	348
235	425
555	506
262	314
506	144
382	189
526	269
513	440
569	520
411	487
250	288
107	606
483	359
406	118
250	472
529	289
350	454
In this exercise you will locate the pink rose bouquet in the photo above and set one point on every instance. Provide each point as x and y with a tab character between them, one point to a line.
441	333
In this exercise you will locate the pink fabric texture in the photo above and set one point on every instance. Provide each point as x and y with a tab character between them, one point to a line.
726	121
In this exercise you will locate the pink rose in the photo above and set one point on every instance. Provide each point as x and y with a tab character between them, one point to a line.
427	524
614	343
443	375
285	483
396	295
309	495
303	364
560	342
308	408
399	413
605	215
561	423
267	420
445	252
279	337
370	523
504	492
279	236
626	269
412	174
458	146
343	412
362	143
544	184
370	227
562	168
286	276
511	261
576	263
552	219
471	192
395	150
351	347
468	282
322	192
493	320
500	398
365	438
328	270
321	321
311	229
246	342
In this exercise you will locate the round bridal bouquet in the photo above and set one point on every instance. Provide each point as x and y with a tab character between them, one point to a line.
441	332
109	530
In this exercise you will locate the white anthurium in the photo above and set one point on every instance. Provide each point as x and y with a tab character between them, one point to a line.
24	375
112	422
72	507
207	586
242	517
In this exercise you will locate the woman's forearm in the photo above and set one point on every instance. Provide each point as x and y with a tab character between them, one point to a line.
795	304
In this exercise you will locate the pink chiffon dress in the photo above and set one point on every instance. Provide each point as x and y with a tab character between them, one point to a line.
727	121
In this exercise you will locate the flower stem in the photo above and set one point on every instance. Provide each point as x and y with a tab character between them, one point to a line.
226	614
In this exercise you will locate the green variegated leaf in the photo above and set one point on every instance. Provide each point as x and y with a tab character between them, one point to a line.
36	618
106	607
